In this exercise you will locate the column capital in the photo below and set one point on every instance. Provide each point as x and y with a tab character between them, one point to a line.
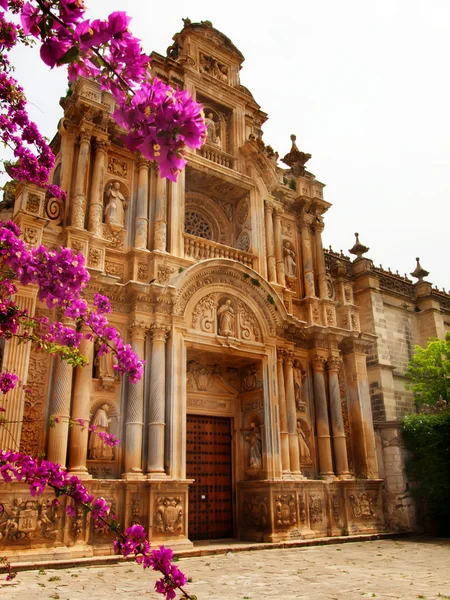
277	210
305	220
280	353
318	363
137	330
319	226
159	332
101	145
356	346
85	135
268	206
289	358
142	162
334	363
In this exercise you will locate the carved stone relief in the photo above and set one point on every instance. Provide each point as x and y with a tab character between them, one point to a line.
285	511
315	509
164	274
24	520
33	204
363	505
256	512
116	239
169	515
95	258
211	66
118	167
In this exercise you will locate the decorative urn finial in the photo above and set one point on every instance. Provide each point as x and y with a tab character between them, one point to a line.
418	272
358	248
296	159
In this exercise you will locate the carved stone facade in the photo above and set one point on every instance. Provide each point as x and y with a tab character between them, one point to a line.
284	360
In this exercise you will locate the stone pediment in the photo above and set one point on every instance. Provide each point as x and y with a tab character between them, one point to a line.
205	30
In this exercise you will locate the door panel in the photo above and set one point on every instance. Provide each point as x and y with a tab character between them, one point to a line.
209	463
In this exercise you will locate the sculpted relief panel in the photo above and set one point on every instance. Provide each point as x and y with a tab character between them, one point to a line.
226	316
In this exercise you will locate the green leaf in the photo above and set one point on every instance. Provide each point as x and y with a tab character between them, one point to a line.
70	56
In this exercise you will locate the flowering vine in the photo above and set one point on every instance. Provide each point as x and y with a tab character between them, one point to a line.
159	121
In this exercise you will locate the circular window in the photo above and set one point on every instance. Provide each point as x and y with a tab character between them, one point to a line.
196	224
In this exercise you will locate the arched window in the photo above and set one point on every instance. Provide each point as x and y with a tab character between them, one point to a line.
196	224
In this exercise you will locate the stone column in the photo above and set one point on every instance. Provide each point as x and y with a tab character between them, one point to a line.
160	214
321	268
135	411
81	177
285	461
141	225
177	213
322	424
98	176
16	360
360	410
308	271
78	442
278	246
294	453
60	407
337	421
157	402
271	262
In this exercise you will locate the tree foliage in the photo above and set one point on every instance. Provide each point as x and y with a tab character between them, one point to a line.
429	372
427	438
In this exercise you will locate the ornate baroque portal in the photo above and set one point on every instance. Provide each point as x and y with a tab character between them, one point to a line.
263	376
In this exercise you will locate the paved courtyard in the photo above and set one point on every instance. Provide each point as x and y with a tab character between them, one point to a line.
417	568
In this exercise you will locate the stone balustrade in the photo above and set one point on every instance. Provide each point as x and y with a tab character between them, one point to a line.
201	249
216	155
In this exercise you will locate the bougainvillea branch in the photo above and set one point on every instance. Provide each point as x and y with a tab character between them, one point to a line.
40	474
160	121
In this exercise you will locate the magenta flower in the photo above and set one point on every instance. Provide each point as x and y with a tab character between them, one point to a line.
8	382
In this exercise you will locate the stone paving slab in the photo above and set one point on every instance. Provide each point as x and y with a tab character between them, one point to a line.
416	568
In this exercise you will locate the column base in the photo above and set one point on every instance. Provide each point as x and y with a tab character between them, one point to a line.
343	476
133	476
80	474
157	476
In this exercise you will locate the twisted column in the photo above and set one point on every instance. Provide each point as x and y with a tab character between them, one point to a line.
337	421
271	262
98	177
78	442
321	268
160	214
308	270
294	453
157	401
141	225
278	246
322	424
81	176
135	410
285	461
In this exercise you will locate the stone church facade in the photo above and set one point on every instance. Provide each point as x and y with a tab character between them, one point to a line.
274	376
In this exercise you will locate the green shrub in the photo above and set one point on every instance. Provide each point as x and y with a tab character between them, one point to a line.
427	437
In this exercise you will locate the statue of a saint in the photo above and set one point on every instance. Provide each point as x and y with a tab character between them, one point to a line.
305	454
114	210
290	266
255	454
97	447
104	365
211	129
225	314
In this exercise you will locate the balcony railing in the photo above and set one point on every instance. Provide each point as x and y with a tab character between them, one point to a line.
216	155
201	249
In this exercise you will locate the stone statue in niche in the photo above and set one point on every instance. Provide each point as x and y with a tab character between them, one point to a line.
290	266
211	130
298	380
97	447
253	438
305	454
104	364
115	205
225	314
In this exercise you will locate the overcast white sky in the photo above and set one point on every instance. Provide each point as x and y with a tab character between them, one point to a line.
365	86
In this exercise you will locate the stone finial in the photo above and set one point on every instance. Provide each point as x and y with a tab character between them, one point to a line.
358	248
296	159
418	272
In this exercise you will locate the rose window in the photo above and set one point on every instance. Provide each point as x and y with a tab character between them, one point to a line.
196	224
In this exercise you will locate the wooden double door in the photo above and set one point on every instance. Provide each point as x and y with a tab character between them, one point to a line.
208	462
